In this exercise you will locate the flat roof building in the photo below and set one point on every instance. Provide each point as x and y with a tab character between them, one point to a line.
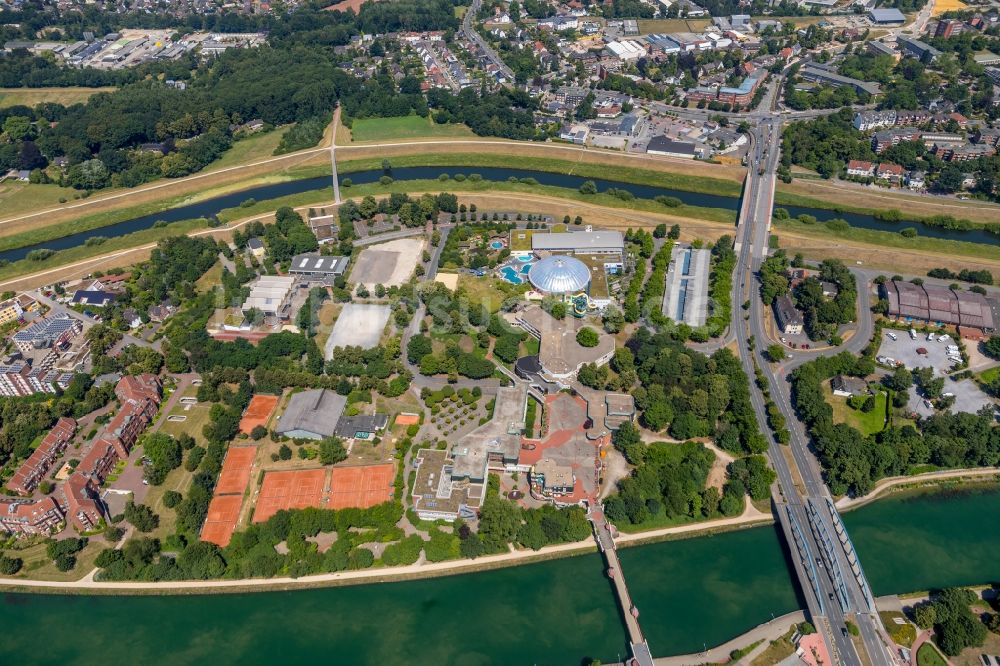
584	242
435	495
887	16
559	354
686	299
318	265
495	443
661	145
820	73
270	294
312	415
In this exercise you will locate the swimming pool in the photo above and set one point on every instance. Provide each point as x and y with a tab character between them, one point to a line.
515	274
497	245
524	258
509	273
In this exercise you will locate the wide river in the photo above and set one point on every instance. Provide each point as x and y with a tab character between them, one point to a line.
693	592
213	206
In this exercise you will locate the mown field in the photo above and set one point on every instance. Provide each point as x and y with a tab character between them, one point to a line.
406	127
32	96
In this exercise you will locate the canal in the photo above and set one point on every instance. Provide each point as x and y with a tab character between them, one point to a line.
690	593
213	206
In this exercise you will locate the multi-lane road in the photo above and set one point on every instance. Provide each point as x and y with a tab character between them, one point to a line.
834	594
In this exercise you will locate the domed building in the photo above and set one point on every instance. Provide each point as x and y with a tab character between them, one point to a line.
560	275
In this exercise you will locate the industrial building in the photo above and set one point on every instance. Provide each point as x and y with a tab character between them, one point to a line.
937	304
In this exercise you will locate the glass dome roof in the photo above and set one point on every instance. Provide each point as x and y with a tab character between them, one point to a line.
559	275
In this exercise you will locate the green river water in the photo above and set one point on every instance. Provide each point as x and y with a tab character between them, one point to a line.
690	592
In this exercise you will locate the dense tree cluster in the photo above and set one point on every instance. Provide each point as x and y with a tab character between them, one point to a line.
693	395
853	462
955	625
822	315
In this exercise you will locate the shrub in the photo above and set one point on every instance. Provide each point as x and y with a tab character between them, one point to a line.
587	337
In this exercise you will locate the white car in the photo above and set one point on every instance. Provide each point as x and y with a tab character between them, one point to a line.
947	395
930	337
944	338
892	336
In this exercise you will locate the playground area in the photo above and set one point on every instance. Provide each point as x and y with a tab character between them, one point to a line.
294	489
258	412
361	487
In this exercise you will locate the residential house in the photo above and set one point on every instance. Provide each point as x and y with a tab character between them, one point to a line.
790	320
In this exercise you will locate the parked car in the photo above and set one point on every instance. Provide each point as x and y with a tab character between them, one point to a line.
892	336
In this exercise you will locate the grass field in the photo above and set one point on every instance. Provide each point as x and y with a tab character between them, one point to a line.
38	566
776	651
866	424
34	96
254	147
406	127
928	655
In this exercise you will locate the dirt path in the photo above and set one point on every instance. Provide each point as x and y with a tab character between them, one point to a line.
766	632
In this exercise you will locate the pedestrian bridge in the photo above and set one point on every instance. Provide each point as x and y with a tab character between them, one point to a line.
604	537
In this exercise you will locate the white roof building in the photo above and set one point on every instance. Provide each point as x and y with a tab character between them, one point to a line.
270	294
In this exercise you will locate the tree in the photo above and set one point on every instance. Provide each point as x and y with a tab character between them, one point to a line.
10	565
141	517
775	353
588	187
587	337
499	522
675	232
628	441
992	347
332	451
171	498
259	432
285	453
613	319
660	231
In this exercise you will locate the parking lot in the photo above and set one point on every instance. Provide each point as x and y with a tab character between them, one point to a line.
968	398
904	350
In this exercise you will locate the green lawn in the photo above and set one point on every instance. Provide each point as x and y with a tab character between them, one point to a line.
866	424
404	127
928	655
251	149
987	376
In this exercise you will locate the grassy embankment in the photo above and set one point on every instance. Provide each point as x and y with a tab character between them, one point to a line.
843	197
31	233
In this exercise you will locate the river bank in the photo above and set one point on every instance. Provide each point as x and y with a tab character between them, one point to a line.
692	593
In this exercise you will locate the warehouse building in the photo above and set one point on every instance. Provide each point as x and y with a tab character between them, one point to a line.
579	242
317	266
937	304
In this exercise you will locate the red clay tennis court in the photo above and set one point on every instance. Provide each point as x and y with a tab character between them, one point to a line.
295	489
406	418
235	473
361	487
258	412
223	512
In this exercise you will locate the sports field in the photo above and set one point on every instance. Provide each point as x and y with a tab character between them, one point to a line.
404	127
258	412
294	489
223	512
235	473
361	487
34	96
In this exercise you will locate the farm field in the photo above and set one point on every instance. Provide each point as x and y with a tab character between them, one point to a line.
34	96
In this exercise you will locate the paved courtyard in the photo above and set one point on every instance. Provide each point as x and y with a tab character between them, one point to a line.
389	264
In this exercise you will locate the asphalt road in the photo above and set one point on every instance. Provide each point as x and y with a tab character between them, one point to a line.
818	570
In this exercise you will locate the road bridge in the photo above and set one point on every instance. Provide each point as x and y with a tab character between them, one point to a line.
641	655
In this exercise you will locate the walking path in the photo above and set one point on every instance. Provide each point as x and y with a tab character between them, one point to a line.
376	575
766	632
884	485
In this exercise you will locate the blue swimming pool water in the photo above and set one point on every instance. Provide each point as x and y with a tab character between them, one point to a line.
526	268
497	245
510	274
524	258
